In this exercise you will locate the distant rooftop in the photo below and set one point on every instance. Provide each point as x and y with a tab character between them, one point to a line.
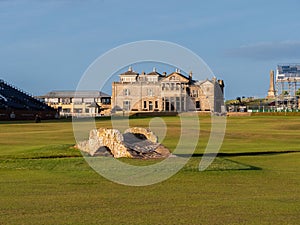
130	71
77	94
154	72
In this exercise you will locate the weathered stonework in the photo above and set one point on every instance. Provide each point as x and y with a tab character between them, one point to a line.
136	142
155	92
146	132
271	91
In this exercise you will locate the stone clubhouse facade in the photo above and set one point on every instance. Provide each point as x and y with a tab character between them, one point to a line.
175	92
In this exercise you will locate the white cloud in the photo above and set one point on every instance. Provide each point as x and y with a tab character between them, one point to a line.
282	50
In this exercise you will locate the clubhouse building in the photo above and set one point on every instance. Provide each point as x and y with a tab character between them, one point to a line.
174	92
134	92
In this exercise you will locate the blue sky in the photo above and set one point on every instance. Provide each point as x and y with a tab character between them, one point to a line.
47	45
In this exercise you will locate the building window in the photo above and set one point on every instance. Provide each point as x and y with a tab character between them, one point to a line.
150	92
126	92
77	100
194	93
172	86
156	104
105	100
65	100
126	105
145	105
197	104
150	106
78	110
167	104
167	86
88	100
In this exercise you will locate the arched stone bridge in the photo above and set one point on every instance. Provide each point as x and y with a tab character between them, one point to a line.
136	142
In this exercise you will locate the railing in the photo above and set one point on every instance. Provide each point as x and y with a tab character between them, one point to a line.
258	108
80	115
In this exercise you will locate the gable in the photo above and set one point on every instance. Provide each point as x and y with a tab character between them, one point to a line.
175	77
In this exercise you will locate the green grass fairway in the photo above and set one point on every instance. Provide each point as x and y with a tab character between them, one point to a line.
255	180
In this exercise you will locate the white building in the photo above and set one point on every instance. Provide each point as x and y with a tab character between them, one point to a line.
78	103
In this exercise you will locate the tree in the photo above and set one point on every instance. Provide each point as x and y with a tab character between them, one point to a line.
285	93
298	92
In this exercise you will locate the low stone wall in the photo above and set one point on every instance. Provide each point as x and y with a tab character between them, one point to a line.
275	114
153	114
239	114
27	114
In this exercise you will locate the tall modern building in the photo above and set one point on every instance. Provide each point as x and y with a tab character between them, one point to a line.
174	92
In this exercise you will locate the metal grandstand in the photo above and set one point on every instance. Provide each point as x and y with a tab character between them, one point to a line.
21	104
287	82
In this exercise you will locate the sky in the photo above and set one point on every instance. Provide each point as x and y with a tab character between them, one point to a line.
48	45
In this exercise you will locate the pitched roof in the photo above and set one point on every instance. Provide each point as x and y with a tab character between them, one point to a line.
177	74
154	72
129	72
203	81
77	94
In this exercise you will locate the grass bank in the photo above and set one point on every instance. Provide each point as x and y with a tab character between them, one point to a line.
46	181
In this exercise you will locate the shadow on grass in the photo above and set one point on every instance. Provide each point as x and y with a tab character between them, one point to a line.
67	163
55	155
219	164
223	154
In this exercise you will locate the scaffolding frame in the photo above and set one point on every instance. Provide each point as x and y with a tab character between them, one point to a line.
287	82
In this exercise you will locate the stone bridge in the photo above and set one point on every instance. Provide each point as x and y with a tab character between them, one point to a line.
136	142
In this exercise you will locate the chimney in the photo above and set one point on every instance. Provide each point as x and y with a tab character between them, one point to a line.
190	76
177	70
221	84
